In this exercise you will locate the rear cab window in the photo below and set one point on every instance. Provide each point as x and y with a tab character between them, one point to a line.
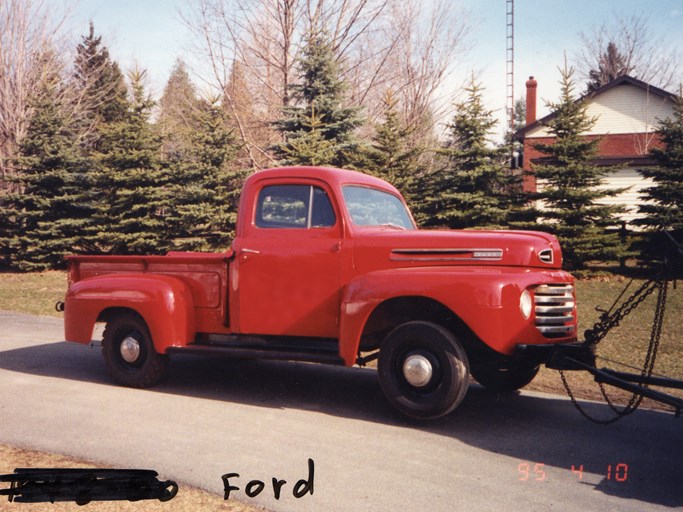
294	207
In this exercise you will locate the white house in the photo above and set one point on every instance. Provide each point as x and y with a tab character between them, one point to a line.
627	112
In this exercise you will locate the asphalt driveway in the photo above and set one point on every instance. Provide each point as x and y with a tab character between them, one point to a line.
265	420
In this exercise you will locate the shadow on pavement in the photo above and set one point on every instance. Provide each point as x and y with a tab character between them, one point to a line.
638	458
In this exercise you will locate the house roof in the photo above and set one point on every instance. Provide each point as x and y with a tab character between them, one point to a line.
622	80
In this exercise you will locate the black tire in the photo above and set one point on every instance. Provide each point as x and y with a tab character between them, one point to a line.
445	385
505	376
148	368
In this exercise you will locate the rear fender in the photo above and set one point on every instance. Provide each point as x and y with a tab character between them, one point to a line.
164	302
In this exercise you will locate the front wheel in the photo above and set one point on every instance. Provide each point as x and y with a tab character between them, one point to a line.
129	353
423	370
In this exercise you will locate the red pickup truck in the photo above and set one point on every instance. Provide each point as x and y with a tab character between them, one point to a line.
327	266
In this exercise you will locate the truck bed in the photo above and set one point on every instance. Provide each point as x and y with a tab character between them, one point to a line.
206	274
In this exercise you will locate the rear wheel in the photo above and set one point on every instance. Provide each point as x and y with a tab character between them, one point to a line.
129	353
505	376
423	370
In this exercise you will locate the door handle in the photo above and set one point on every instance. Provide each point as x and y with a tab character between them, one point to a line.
245	253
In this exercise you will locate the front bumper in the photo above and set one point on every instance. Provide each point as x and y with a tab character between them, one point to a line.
558	356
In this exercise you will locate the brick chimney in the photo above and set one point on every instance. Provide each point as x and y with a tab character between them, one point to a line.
531	86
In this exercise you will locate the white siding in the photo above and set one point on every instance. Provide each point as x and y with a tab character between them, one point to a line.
627	178
622	109
634	183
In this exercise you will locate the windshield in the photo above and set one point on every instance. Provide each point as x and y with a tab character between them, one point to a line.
373	207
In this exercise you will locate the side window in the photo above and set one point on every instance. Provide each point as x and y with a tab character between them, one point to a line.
294	206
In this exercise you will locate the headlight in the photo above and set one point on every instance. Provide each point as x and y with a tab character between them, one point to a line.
526	304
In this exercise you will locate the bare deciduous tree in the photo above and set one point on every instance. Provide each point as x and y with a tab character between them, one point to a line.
29	35
258	35
403	45
424	42
646	56
431	41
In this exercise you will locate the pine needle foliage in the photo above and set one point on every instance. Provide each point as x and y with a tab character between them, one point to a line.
130	184
570	184
178	112
611	65
46	216
206	185
475	189
390	156
316	127
663	207
101	86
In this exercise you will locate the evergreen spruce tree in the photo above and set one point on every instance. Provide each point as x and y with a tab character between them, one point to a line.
515	145
663	208
475	188
390	155
130	193
309	145
206	186
569	185
611	65
178	108
7	227
316	127
101	89
48	219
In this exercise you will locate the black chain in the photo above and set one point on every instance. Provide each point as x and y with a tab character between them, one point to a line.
609	321
600	330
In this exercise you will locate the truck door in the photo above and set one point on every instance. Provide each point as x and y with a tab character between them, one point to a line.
289	265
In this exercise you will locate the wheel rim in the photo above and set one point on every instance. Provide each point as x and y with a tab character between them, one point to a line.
417	370
130	349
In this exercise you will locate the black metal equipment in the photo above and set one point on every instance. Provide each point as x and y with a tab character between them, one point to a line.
581	356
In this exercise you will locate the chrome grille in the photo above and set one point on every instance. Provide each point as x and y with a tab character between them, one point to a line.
554	307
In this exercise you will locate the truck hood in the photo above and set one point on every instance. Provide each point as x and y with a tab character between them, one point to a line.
389	248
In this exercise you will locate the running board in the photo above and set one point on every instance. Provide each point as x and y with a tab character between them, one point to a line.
285	349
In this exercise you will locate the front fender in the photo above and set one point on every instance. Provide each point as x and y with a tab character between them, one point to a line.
486	300
164	302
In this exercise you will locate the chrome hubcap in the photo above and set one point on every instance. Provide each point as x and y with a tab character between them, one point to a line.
130	349
417	370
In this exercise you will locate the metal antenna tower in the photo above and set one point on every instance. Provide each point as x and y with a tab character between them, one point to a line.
510	67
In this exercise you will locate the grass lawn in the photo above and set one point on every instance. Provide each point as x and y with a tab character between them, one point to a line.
34	293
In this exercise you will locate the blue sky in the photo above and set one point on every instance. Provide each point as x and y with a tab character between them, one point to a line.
547	29
151	33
